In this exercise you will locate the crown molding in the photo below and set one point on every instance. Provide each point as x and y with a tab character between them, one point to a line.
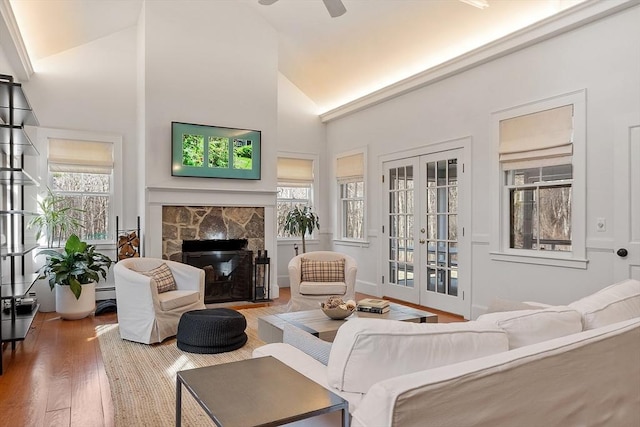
563	22
13	44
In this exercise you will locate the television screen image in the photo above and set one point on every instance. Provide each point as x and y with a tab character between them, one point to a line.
215	152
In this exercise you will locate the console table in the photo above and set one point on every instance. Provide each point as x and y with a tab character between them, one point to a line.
256	392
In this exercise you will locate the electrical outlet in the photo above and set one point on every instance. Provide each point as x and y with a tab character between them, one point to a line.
601	224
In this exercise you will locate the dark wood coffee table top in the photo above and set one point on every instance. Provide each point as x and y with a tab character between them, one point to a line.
257	392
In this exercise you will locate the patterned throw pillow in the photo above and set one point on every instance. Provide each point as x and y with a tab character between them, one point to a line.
163	277
322	271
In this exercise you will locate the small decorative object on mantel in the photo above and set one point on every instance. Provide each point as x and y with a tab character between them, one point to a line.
336	309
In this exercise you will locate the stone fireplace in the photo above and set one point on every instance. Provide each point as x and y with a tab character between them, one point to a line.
177	214
204	236
181	223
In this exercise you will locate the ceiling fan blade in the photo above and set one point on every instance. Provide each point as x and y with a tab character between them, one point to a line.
335	7
267	2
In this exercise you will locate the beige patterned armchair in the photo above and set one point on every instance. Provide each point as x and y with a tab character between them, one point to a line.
148	309
314	276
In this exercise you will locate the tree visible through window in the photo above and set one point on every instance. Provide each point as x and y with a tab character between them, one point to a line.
540	208
81	173
90	194
290	196
352	205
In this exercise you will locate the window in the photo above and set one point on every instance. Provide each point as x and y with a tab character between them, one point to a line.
541	155
82	173
540	208
295	188
351	203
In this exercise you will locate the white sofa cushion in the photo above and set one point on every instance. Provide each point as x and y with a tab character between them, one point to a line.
615	303
525	327
366	351
173	299
323	288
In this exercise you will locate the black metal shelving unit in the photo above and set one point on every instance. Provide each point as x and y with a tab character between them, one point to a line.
15	283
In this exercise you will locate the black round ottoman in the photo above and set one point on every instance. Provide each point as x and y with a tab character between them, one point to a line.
212	330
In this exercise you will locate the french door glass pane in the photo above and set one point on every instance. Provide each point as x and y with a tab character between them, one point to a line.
401	223
442	226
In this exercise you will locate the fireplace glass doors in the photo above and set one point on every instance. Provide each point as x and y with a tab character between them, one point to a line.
228	268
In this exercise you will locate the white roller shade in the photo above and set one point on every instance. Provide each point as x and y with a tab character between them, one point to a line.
350	166
295	170
70	155
544	137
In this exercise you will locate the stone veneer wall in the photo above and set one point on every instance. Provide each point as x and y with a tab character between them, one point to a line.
210	222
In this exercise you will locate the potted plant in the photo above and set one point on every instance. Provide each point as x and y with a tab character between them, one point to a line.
56	219
299	221
74	274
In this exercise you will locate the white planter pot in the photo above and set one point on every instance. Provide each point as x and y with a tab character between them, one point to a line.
70	308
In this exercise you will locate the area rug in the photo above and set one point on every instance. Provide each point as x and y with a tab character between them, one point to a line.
142	377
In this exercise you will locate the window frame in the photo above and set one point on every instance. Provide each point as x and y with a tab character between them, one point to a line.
312	197
116	188
339	227
310	204
500	242
342	211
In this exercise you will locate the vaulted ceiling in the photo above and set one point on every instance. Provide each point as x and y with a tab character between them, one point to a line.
332	60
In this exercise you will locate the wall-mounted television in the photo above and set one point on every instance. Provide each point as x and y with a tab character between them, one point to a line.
214	151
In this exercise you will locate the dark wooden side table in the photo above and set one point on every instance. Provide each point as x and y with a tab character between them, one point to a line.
256	392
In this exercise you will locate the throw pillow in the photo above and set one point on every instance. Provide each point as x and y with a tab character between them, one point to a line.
366	351
526	327
615	303
163	277
322	271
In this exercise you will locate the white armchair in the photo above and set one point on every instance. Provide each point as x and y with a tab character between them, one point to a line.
144	314
307	294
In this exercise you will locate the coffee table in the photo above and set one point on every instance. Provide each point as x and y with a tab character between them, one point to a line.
317	323
256	392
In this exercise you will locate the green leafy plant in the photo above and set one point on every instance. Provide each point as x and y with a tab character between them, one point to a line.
78	265
56	218
299	221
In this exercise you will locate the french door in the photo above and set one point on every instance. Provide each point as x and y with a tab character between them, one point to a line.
424	228
627	203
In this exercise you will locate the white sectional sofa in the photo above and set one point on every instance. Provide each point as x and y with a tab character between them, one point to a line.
575	365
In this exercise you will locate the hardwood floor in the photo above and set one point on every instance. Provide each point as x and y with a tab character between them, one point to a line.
56	376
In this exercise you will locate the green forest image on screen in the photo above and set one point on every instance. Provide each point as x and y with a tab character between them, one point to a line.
193	152
242	154
218	152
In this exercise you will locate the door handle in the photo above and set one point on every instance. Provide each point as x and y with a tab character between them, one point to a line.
622	252
421	241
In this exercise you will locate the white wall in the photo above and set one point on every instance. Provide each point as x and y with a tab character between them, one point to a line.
5	66
602	57
212	63
301	131
92	88
209	63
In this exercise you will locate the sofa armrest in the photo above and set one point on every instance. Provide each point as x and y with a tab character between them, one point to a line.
309	344
135	292
187	277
